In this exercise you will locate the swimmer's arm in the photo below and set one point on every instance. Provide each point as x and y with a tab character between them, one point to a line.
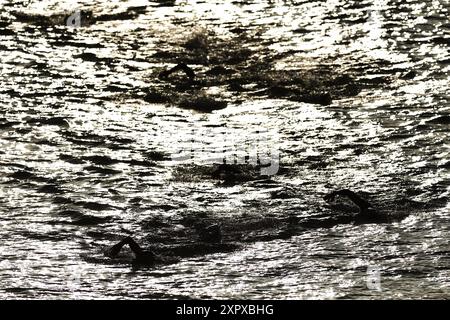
115	249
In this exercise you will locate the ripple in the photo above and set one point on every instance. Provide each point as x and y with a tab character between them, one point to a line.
357	94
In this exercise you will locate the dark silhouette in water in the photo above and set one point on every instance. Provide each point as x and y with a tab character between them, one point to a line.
211	234
140	256
179	67
367	213
210	242
365	208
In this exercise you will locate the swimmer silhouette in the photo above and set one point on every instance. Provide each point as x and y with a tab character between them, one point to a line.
179	67
141	256
210	241
365	208
367	213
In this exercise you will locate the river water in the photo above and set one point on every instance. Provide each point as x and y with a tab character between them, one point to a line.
390	140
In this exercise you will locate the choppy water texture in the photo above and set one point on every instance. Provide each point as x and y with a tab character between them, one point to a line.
86	130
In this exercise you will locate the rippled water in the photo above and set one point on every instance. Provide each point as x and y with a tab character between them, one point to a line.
390	140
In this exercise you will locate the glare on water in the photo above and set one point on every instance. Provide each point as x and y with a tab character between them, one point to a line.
385	141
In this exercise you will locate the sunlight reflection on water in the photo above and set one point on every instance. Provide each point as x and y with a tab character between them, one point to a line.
371	142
